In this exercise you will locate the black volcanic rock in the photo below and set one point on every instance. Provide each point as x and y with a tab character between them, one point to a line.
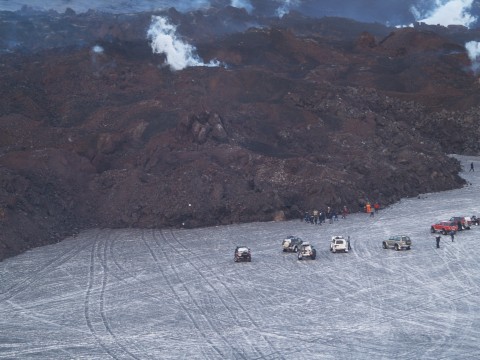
302	116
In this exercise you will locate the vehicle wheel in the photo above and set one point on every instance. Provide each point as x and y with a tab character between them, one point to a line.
444	232
334	250
408	248
235	259
384	244
249	260
397	247
432	230
295	249
300	256
284	250
468	228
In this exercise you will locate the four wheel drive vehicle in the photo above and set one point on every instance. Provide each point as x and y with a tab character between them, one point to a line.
398	242
291	243
242	253
444	227
339	243
475	220
462	222
306	251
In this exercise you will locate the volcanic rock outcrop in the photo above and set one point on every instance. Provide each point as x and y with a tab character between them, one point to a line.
301	114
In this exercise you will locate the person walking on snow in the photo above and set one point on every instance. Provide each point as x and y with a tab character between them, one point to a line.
437	238
471	167
452	234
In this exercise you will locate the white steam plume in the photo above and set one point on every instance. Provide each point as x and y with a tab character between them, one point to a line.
285	7
164	40
242	4
447	12
473	50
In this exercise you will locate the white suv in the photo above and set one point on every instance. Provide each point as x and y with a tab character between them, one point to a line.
339	243
307	251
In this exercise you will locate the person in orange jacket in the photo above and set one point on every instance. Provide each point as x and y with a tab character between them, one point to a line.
368	208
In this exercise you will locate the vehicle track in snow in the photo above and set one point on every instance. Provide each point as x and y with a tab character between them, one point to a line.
204	270
95	315
201	323
35	275
134	281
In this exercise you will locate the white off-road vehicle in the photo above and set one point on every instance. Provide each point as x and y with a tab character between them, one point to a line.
291	243
306	250
339	243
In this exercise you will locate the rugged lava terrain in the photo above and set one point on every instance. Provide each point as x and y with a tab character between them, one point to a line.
303	113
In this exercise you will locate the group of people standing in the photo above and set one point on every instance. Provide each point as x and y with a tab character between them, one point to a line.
438	238
317	217
371	209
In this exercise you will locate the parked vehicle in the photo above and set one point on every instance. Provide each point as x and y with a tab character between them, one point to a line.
444	227
291	243
398	242
242	253
307	250
475	220
462	222
339	243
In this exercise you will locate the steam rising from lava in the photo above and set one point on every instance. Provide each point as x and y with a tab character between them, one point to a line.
178	54
473	49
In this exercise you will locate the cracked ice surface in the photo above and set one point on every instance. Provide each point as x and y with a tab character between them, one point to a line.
177	294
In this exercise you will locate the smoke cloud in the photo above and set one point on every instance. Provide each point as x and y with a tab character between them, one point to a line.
473	50
242	4
447	12
178	54
286	7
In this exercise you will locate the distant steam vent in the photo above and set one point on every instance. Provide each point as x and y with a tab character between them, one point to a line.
473	49
178	54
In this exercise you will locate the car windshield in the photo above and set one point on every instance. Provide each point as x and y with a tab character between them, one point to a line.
339	242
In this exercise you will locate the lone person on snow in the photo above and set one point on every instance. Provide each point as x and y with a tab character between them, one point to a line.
471	167
437	238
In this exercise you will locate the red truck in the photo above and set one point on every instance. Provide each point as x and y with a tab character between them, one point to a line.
444	227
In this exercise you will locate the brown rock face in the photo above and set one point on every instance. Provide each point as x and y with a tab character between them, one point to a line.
303	116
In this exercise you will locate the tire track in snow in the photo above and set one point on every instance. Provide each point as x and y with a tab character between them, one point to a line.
131	278
275	351
105	275
31	279
180	299
460	274
94	305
